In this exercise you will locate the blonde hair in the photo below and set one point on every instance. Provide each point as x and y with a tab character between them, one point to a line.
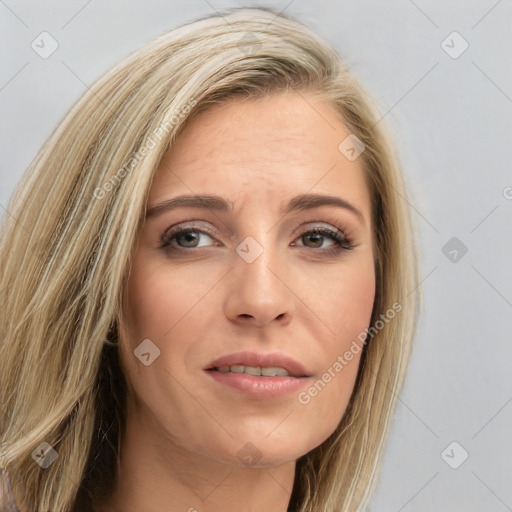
68	240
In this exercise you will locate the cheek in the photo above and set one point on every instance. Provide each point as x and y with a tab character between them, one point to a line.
350	304
160	299
159	306
165	306
151	309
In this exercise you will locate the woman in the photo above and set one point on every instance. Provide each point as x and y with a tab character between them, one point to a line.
208	282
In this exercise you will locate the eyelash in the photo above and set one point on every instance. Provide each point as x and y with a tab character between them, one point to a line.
343	243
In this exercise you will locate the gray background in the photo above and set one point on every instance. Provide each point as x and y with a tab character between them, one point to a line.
452	121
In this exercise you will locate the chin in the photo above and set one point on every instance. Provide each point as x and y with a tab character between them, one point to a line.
263	450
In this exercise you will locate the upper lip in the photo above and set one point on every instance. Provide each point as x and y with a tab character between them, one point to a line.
293	367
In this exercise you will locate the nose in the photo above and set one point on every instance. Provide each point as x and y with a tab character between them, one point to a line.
259	292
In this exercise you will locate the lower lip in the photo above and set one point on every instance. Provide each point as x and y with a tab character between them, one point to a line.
259	387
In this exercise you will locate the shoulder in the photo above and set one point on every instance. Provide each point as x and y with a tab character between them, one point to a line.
7	503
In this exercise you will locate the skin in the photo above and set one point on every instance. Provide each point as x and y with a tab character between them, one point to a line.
184	430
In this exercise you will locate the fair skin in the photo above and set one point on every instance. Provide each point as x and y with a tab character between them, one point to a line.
195	442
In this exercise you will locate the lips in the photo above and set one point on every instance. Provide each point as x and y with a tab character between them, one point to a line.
259	365
259	376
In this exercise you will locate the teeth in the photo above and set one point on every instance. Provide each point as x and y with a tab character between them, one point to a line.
269	371
253	370
274	371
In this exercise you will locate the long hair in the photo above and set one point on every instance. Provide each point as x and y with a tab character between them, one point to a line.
69	235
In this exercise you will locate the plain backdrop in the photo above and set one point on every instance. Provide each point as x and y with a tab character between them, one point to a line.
447	97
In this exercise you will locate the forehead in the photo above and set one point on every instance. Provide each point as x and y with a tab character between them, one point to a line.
261	150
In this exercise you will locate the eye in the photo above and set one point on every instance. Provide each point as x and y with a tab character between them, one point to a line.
185	238
316	238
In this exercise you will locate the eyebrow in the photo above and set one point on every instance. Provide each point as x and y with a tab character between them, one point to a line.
217	203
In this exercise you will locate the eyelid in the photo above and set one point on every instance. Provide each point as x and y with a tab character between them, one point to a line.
326	225
192	224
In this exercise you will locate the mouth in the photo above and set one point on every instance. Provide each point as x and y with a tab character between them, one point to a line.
259	375
257	371
259	365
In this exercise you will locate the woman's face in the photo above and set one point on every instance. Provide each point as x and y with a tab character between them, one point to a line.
267	278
